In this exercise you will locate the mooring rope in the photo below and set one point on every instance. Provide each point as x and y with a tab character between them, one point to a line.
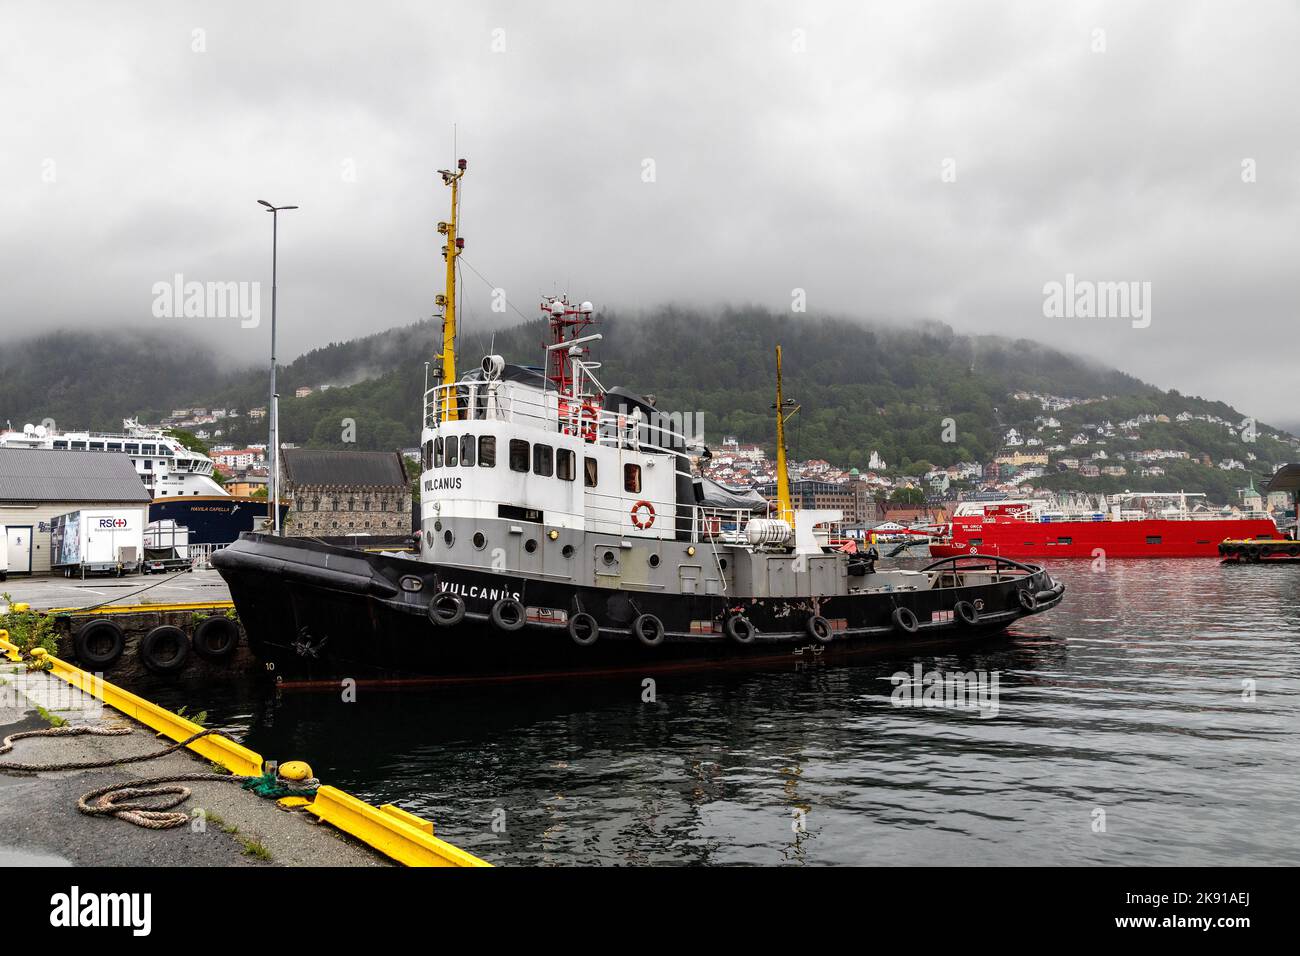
104	802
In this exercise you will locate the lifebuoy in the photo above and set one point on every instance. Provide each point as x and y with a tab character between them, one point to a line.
447	610
588	422
216	638
739	629
1028	599
508	614
649	630
640	522
88	643
583	629
820	629
965	612
165	649
905	620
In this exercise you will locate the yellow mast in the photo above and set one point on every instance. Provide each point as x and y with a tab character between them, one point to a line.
784	506
448	300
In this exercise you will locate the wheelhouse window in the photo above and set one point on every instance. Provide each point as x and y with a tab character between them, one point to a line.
487	451
451	449
437	452
565	464
428	455
518	454
467	451
543	460
589	472
632	478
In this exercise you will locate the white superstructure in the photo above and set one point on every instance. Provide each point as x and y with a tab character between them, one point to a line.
165	466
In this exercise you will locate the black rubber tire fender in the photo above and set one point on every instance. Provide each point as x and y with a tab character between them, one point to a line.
216	639
965	613
819	629
99	627
508	614
446	609
649	630
1028	599
904	619
583	629
152	646
740	629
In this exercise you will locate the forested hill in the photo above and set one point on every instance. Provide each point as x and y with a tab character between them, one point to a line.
860	387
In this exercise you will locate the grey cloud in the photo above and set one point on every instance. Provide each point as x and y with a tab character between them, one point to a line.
775	169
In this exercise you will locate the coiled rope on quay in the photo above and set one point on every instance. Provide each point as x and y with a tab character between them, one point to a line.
120	800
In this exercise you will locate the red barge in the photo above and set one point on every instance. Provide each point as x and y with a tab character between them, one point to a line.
1133	526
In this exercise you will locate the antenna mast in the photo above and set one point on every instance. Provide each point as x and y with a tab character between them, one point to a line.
452	249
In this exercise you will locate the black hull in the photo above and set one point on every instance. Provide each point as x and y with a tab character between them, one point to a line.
316	612
212	519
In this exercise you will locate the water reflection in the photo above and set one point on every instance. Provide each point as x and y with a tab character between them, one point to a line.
1159	702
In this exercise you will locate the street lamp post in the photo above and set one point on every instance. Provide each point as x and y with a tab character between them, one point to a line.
273	498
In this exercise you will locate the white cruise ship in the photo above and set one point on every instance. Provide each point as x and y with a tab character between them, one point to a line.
166	467
179	479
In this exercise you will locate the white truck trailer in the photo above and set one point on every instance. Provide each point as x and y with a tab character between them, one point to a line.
97	541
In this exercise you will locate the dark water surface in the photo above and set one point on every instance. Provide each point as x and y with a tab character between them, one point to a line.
1127	701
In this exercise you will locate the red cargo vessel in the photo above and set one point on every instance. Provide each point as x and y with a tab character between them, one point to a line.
1132	526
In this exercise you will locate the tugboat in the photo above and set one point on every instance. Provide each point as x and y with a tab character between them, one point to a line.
562	533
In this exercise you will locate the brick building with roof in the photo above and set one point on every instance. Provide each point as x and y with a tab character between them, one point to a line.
335	493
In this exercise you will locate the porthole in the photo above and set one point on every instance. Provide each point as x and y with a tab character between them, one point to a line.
530	545
722	563
410	582
480	540
448	537
608	557
567	551
654	560
437	525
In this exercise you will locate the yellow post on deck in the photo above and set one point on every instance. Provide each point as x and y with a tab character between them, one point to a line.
783	502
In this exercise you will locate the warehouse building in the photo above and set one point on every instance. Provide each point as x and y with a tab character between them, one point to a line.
38	484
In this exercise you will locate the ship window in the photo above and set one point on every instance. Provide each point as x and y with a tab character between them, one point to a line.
452	447
467	451
60	444
543	460
96	446
632	478
518	454
427	457
487	451
114	446
589	472
437	452
148	465
564	464
133	448
1153	539
976	541
1065	541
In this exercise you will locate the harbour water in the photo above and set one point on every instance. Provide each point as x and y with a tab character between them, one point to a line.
1153	718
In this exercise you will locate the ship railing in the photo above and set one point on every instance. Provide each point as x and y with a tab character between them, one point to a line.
582	416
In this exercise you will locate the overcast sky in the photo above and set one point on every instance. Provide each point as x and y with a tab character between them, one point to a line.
896	160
